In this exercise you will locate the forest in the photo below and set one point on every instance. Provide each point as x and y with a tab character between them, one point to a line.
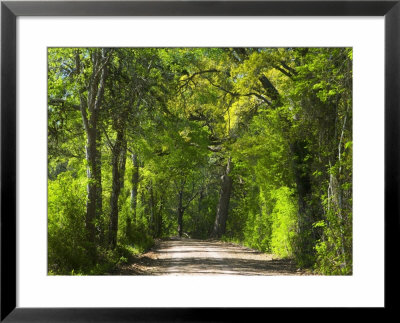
245	145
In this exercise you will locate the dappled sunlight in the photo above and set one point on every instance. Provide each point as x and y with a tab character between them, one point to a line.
250	145
197	257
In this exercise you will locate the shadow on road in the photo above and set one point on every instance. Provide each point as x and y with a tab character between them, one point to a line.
208	257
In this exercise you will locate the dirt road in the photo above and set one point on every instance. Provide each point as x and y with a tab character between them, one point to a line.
199	257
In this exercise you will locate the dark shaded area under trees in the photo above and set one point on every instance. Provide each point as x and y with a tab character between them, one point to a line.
251	145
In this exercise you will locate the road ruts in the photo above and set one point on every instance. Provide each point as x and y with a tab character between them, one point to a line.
208	257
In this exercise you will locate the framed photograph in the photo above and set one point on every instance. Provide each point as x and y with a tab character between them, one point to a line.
187	160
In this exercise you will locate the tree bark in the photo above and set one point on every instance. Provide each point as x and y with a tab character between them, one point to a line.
181	207
135	183
94	184
122	163
181	210
151	220
158	219
117	162
90	106
99	189
223	203
302	176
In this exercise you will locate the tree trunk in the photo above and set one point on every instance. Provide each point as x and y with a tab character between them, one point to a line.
117	154
223	203
335	193
302	176
199	210
100	228
122	164
94	181
181	210
135	183
151	220
90	106
158	223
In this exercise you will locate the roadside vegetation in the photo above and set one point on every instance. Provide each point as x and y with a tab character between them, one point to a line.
251	145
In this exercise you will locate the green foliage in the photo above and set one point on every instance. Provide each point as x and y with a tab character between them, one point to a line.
283	116
334	255
67	245
68	248
284	219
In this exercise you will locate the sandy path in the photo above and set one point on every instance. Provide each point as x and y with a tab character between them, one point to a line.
199	257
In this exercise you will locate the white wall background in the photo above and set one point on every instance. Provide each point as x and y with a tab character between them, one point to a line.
364	288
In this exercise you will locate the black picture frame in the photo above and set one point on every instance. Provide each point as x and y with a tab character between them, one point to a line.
10	10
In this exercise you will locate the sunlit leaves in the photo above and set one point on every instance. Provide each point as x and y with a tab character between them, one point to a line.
184	112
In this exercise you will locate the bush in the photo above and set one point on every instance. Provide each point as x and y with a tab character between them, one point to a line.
67	244
284	222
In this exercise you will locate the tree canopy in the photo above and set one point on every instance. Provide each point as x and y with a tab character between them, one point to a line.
252	145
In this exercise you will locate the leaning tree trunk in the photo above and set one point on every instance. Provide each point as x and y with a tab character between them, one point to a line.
223	203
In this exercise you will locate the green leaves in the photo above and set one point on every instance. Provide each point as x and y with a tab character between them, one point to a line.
319	224
348	144
283	115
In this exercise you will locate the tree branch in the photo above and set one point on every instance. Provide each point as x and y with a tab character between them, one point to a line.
108	139
63	102
235	94
190	78
191	199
